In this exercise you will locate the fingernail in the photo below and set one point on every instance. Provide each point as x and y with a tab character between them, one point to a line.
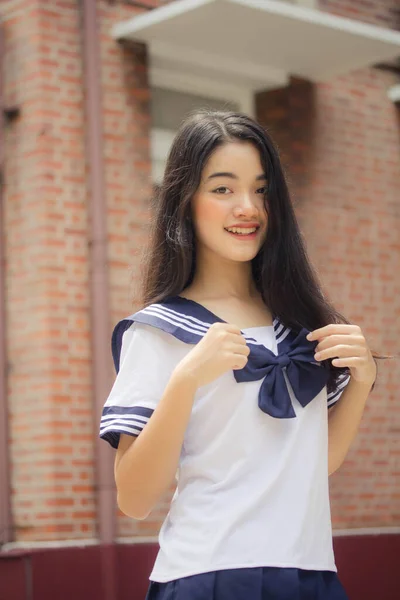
309	336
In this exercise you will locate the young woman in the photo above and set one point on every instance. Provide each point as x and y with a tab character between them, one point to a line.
232	374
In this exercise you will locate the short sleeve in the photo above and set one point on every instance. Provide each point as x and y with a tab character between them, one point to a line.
147	359
335	394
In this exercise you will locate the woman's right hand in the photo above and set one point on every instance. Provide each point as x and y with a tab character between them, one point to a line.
222	349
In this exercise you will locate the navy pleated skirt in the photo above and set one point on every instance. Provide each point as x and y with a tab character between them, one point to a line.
260	583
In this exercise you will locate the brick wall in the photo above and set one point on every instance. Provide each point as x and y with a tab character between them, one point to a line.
46	221
47	274
385	13
340	144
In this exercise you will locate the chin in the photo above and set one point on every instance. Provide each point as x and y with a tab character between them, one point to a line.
231	253
241	256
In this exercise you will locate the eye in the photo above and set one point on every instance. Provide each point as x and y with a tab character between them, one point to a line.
221	190
263	190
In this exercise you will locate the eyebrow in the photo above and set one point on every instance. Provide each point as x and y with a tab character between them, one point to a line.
262	177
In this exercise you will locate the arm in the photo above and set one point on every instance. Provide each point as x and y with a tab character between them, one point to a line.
343	422
347	347
145	466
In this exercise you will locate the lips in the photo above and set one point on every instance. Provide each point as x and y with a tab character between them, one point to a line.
244	225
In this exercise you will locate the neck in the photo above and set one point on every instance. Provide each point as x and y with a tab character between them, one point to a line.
221	278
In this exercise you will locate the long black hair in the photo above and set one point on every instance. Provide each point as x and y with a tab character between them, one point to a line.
282	270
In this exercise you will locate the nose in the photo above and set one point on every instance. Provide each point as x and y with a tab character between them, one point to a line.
246	207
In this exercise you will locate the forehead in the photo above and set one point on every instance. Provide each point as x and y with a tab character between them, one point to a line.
236	157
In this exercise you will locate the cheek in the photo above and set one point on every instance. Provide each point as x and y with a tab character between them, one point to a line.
209	214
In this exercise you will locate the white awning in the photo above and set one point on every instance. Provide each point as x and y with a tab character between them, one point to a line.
255	43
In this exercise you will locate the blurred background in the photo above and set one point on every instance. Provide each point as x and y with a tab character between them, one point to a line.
92	94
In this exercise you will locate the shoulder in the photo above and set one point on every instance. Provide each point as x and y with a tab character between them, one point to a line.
144	343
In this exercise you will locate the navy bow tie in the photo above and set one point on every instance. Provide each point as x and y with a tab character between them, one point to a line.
189	322
306	377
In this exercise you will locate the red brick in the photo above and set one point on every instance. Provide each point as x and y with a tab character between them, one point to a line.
347	201
356	252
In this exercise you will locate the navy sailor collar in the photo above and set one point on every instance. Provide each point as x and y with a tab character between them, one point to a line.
189	321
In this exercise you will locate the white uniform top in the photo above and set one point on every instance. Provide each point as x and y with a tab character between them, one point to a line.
252	489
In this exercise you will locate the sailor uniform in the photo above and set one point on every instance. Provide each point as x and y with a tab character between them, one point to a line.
252	498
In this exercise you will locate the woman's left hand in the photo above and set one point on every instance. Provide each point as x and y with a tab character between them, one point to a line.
347	346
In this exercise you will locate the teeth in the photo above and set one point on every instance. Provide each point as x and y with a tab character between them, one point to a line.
242	230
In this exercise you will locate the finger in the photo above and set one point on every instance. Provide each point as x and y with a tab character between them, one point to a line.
341	351
355	361
227	327
337	340
239	348
332	329
237	339
240	362
232	328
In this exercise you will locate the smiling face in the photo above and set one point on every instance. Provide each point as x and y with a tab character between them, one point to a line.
229	214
